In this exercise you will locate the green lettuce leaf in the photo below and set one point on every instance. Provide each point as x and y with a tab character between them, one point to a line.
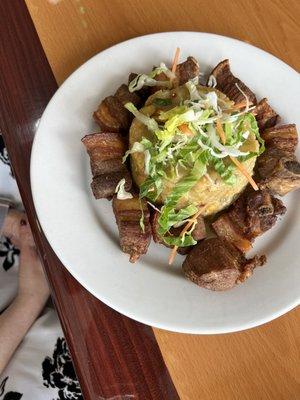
170	217
162	102
165	115
225	171
185	241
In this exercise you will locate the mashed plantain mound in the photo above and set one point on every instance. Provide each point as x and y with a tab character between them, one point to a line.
210	189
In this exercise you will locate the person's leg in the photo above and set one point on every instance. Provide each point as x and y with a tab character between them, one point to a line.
33	292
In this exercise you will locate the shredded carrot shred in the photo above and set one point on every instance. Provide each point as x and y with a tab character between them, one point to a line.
185	129
221	132
240	105
184	230
173	255
175	61
192	220
238	164
245	172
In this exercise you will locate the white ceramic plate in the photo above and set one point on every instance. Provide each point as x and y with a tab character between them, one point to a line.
83	232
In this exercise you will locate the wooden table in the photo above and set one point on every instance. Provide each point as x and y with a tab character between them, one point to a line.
113	355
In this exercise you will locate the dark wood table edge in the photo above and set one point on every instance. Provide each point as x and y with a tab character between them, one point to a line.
128	363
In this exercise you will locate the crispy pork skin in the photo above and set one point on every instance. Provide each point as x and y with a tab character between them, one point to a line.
106	150
111	115
230	85
265	116
187	70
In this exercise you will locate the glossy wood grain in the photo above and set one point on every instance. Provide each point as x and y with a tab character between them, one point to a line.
261	363
115	357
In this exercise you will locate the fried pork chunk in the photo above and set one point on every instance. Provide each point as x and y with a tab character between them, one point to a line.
216	264
230	85
265	116
250	216
133	239
111	114
279	174
278	169
187	70
106	150
283	138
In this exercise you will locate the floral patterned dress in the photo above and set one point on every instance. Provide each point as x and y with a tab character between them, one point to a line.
41	368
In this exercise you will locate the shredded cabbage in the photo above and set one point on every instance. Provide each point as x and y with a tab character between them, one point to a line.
166	115
147	161
212	81
151	124
153	206
184	241
212	99
174	217
192	88
168	214
142	80
121	191
225	150
246	97
142	223
225	171
136	148
162	69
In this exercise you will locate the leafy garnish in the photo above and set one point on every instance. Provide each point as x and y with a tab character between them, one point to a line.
162	102
170	217
225	171
151	124
142	223
178	241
